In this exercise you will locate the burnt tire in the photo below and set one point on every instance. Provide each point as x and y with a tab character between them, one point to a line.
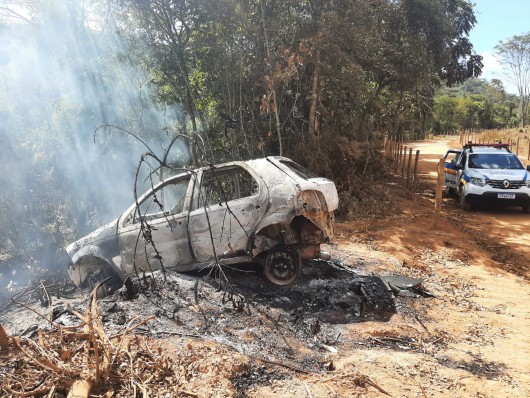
105	289
282	265
462	201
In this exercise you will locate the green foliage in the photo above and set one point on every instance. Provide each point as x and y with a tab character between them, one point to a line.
475	104
315	78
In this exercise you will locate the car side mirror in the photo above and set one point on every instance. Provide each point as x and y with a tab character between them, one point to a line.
459	167
527	168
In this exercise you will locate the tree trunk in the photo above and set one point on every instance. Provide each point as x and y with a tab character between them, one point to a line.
278	126
524	105
241	118
314	96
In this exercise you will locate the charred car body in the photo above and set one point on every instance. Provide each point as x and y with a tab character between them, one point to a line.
271	211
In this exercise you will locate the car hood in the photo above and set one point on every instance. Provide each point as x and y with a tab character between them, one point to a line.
500	174
94	238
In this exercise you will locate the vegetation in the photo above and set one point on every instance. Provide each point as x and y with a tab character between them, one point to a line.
321	82
476	104
514	54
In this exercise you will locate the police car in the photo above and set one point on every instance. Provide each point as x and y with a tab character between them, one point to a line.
482	173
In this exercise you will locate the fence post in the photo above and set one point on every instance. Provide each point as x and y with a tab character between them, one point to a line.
408	168
517	147
403	163
415	171
398	157
439	188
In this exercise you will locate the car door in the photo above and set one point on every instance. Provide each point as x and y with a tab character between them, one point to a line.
450	170
164	211
228	203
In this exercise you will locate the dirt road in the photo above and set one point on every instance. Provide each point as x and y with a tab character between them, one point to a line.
505	225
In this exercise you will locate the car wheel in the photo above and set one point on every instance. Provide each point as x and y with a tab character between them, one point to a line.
464	203
282	265
452	192
525	208
104	290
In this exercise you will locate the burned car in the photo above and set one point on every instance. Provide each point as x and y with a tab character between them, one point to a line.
271	211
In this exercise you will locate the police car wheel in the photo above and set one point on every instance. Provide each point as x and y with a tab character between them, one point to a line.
452	192
464	203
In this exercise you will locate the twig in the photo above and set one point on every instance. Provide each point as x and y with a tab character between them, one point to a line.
359	379
191	394
130	330
29	308
49	302
381	339
281	364
307	389
422	390
331	390
179	334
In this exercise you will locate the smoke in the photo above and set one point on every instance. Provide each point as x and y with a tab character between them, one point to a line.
61	78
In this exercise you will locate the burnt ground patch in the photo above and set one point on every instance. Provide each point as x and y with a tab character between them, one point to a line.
256	376
298	324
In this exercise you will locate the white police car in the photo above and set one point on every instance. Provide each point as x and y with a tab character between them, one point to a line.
481	173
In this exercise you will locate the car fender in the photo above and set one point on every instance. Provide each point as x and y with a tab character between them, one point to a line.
79	269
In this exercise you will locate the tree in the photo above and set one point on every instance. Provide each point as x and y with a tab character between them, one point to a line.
514	55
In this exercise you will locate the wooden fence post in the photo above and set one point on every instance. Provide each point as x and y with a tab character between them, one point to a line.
408	168
528	150
415	171
439	188
517	147
403	163
398	157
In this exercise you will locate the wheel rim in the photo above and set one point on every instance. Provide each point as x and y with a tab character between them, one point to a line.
281	267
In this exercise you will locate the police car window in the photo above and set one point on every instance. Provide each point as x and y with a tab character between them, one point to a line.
225	185
494	161
462	160
298	170
451	157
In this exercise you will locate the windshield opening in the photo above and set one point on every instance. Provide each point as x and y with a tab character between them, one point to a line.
494	161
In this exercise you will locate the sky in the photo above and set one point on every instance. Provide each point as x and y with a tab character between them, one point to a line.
498	20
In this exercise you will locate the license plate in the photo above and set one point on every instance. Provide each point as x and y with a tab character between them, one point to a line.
506	196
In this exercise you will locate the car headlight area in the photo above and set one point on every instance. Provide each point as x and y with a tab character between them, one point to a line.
478	181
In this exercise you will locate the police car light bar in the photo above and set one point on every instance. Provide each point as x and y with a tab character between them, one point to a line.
497	145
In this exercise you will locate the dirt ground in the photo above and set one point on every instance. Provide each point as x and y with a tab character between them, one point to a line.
334	325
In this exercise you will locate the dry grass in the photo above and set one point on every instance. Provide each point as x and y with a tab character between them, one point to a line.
519	139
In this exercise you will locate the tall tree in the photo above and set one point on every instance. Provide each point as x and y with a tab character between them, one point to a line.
514	55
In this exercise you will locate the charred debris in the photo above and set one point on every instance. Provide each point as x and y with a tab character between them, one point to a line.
76	345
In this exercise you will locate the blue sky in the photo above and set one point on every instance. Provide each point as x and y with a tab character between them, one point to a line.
498	20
